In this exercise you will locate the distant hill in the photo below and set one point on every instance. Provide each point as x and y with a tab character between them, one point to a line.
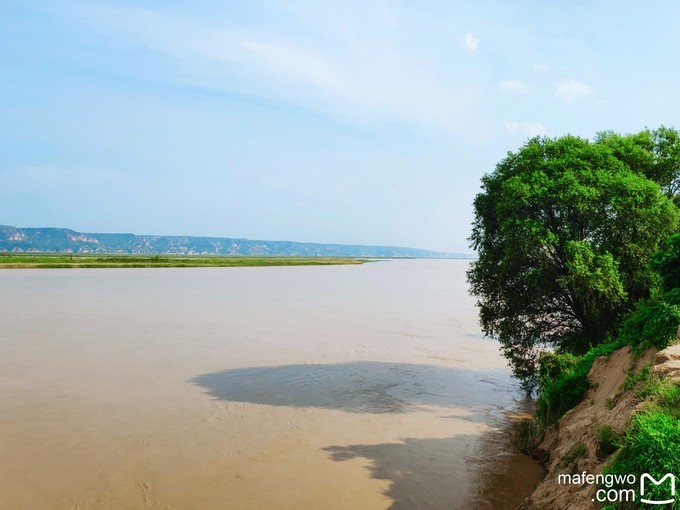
63	240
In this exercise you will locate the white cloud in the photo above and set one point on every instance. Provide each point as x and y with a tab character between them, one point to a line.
289	61
529	128
569	90
470	42
346	76
540	67
513	86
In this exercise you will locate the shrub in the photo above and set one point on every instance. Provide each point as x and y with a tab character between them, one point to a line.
673	296
562	394
653	323
552	366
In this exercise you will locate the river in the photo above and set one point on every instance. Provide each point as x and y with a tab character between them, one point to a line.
335	387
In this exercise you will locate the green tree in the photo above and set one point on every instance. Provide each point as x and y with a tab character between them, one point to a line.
654	154
667	262
564	230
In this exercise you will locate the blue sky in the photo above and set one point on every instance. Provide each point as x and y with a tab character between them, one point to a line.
367	122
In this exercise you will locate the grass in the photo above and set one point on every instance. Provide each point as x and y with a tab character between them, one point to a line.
651	445
526	436
608	441
570	459
632	379
652	441
61	260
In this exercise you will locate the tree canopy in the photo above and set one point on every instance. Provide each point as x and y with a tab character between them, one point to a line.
565	230
654	154
667	262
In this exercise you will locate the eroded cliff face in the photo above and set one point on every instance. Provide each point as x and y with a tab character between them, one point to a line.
572	446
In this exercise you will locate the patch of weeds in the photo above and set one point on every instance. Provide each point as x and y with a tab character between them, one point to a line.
608	441
652	441
561	395
610	403
646	381
667	398
633	380
570	459
653	386
651	445
527	435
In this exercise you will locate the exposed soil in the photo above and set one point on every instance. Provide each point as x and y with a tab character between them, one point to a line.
604	404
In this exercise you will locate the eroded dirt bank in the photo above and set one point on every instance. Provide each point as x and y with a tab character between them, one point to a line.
573	445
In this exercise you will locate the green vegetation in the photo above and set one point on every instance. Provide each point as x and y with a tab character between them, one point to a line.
565	230
633	380
570	459
527	435
579	253
563	377
608	441
562	389
652	442
667	263
654	154
48	260
653	323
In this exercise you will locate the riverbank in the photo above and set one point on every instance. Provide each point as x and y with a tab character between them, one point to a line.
61	261
599	436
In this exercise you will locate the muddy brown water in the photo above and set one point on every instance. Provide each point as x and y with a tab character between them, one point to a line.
253	388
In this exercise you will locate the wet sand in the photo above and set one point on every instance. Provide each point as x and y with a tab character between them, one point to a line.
253	388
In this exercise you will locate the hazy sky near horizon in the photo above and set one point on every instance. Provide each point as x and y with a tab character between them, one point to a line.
359	122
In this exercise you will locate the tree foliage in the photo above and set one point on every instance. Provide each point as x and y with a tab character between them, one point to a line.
655	321
654	154
565	229
667	262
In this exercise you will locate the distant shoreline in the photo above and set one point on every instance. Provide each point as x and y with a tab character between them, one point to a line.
17	240
66	260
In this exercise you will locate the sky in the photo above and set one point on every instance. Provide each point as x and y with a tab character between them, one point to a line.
357	122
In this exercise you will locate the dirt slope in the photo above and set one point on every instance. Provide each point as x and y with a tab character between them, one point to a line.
603	404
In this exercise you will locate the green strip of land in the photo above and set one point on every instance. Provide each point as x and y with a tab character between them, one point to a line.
50	260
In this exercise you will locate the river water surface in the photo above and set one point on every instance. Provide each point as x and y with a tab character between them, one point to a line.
334	387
